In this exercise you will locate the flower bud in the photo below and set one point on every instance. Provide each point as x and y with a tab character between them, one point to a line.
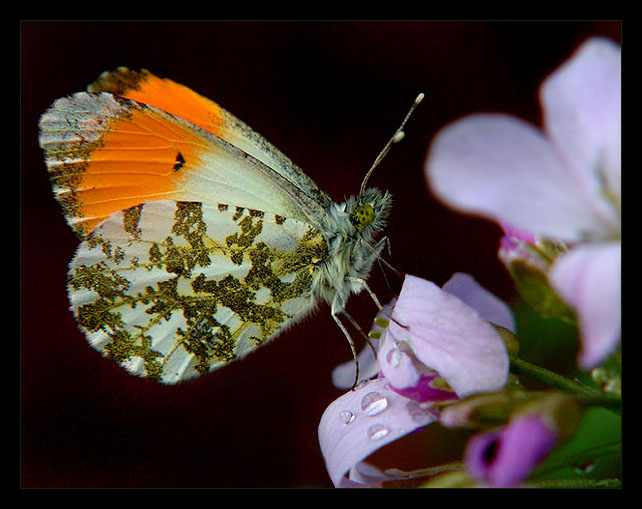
484	410
451	480
510	340
527	260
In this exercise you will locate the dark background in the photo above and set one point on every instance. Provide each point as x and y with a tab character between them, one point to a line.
329	94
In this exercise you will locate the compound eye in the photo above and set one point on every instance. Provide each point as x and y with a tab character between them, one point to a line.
362	216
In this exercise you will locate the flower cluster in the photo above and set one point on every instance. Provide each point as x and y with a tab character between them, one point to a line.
450	356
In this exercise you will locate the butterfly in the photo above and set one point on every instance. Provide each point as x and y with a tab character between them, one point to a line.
200	240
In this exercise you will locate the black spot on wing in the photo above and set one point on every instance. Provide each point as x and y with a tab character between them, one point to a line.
180	162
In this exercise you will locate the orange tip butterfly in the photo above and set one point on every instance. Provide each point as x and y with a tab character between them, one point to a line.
200	239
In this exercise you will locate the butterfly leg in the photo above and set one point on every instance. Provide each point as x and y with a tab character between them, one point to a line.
366	337
364	285
352	346
385	243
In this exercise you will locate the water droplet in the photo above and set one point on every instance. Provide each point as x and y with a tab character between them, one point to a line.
377	431
374	403
585	468
346	416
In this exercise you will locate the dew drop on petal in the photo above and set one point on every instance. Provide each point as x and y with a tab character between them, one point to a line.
346	416
374	403
584	468
377	431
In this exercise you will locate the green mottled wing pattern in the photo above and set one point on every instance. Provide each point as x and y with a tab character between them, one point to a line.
171	290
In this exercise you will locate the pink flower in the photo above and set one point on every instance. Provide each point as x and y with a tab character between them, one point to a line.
562	183
517	245
434	331
588	279
364	420
490	307
397	354
440	338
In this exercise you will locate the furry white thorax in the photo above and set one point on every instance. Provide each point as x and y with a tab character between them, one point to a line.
352	250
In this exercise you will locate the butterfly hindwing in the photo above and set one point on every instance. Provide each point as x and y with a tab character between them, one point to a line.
171	290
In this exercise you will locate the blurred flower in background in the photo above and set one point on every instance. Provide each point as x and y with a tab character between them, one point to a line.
448	356
561	185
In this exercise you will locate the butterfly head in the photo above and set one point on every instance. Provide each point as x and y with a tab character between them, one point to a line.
368	211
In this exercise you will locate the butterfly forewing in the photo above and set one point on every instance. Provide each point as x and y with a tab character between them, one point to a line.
106	153
171	289
181	101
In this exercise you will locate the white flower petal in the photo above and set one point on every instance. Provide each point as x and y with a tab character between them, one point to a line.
588	278
396	364
503	168
364	420
582	112
489	306
450	337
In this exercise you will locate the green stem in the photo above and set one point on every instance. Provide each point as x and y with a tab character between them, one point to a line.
577	483
455	466
587	395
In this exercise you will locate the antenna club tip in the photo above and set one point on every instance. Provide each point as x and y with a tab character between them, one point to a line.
419	98
399	135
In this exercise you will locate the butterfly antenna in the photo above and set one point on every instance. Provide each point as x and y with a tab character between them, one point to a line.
396	138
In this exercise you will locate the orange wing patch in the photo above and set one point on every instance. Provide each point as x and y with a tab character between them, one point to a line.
182	102
106	154
163	94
